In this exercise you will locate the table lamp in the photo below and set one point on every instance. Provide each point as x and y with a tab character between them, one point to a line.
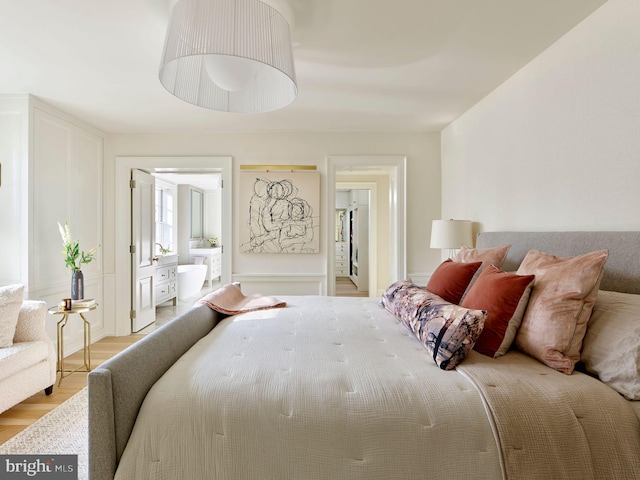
451	234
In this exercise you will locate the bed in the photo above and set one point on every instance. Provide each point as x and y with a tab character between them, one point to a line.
340	388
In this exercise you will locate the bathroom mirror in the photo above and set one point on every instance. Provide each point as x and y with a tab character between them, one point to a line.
196	214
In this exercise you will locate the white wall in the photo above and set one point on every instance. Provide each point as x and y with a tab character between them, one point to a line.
212	215
557	146
52	172
423	173
184	223
14	189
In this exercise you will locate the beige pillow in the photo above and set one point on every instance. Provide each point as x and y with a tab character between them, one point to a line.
561	301
10	303
611	347
488	256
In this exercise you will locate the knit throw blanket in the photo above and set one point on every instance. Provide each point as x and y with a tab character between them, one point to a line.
230	300
553	425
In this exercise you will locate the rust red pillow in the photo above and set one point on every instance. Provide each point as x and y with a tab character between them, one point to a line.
450	279
500	294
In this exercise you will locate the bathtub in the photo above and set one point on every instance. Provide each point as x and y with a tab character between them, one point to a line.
190	280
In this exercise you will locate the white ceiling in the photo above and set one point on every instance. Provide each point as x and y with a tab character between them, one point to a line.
361	64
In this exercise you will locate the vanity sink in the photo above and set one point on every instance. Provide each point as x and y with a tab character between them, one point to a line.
209	256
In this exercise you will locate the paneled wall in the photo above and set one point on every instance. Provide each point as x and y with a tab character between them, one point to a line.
14	149
55	165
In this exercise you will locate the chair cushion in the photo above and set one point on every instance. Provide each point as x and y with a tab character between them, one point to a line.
21	356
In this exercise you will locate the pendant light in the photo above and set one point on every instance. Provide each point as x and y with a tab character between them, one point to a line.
229	56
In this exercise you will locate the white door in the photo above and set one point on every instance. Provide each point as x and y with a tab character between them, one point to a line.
143	311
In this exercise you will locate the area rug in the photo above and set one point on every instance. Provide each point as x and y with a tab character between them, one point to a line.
64	430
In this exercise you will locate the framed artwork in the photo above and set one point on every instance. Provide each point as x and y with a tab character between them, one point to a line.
279	212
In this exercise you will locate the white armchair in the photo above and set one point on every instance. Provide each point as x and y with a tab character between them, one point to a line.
29	365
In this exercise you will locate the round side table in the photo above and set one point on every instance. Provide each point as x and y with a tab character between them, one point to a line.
86	367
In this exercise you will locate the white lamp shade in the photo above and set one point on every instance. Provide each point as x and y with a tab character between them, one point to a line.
451	233
229	56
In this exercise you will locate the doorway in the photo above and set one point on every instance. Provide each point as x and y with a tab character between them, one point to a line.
124	166
175	216
392	169
359	201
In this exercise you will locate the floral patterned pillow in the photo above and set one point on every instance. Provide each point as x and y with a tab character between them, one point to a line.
446	330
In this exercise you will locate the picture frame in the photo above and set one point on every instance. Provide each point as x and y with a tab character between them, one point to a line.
279	212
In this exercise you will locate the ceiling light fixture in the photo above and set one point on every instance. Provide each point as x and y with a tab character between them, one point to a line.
229	55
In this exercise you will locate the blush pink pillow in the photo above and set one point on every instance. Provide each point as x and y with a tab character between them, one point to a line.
451	279
488	256
560	305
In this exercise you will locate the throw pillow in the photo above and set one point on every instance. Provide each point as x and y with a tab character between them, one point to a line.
10	303
611	346
488	256
500	294
447	331
561	301
450	279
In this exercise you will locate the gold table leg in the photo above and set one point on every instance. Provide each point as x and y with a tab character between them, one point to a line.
87	344
61	324
86	367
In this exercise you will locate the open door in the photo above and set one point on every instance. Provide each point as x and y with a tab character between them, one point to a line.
143	311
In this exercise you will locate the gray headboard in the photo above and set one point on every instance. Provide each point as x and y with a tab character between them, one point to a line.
621	272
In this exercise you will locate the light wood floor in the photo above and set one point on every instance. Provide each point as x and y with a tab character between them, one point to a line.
24	414
346	288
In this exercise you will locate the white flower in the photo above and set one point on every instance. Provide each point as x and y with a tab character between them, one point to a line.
65	233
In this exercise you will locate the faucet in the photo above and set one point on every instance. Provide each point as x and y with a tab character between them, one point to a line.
162	249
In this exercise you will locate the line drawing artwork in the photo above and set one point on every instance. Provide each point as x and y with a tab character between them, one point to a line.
279	219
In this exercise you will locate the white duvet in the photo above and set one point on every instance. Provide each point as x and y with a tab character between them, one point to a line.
327	388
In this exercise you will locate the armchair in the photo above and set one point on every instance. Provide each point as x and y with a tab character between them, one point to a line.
29	364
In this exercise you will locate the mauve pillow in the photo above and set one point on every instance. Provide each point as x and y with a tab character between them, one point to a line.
450	279
488	256
500	294
560	305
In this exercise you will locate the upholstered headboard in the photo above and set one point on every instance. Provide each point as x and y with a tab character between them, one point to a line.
622	270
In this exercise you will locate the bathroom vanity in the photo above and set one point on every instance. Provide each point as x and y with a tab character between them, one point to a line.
166	278
212	258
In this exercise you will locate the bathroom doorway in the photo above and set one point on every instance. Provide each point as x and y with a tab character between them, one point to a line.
163	165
